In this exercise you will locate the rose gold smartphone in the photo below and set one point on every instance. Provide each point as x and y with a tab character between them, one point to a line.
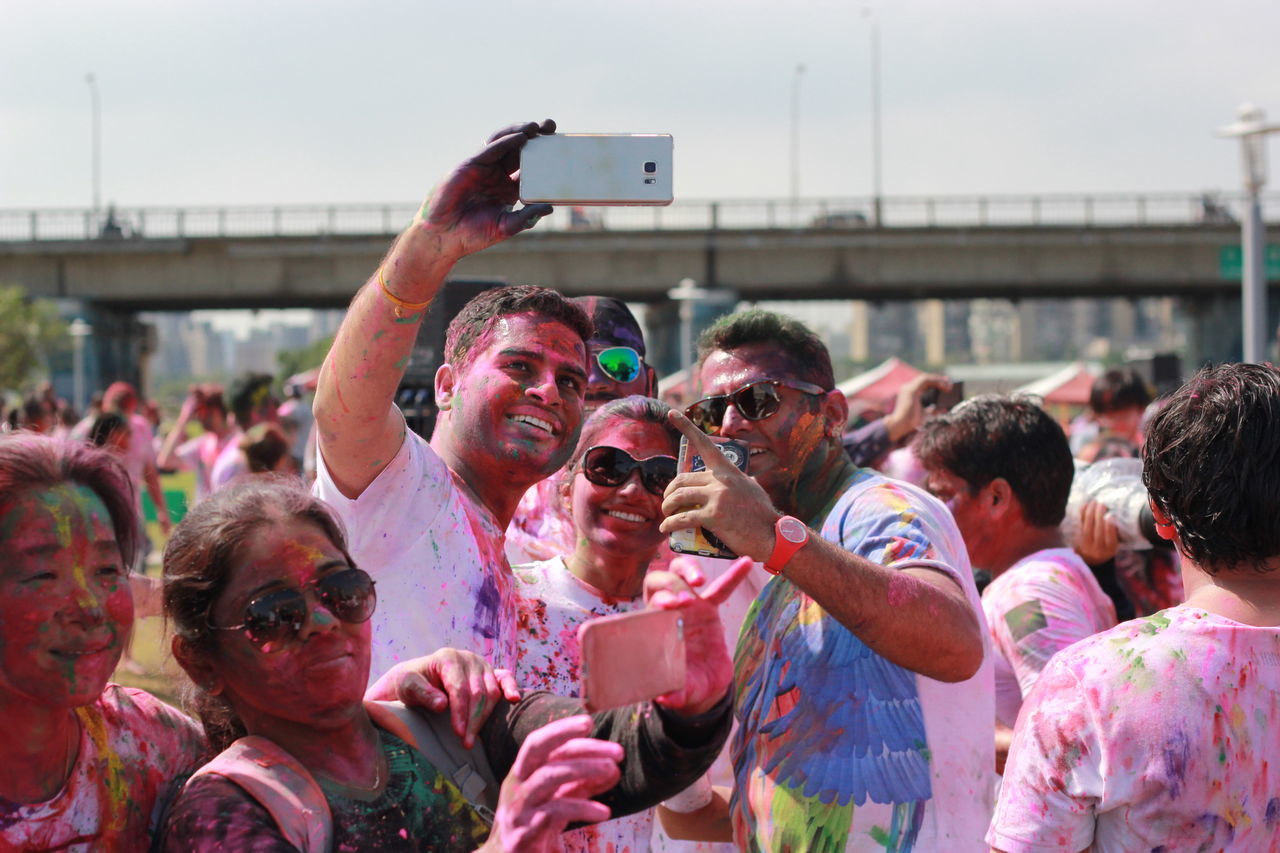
631	657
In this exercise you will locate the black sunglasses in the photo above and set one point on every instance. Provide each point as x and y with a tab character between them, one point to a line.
271	619
610	466
755	401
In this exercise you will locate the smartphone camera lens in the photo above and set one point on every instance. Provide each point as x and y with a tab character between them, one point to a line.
650	167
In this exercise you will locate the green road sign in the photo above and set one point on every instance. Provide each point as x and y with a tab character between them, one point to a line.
1231	262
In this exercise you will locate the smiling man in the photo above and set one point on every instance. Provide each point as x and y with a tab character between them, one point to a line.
427	519
864	700
541	528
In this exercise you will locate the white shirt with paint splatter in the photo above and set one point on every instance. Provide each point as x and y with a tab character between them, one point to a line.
553	602
436	555
1157	734
1037	607
132	746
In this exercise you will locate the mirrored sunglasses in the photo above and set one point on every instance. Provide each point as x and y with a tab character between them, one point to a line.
621	364
755	401
271	619
611	466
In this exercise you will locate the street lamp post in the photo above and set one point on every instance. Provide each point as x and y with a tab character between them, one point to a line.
877	192
79	330
1252	130
96	107
687	293
795	140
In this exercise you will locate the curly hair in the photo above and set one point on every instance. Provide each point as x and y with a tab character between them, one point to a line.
803	350
992	436
478	315
1211	463
198	562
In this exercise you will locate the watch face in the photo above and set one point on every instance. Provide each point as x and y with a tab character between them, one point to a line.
793	529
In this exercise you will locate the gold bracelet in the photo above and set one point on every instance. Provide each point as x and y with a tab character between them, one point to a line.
401	305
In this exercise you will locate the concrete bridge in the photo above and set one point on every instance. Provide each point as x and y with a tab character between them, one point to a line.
1015	247
1011	247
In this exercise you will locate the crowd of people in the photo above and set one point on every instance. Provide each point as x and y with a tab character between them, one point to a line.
985	650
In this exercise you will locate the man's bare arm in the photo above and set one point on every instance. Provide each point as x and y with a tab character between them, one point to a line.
359	429
918	618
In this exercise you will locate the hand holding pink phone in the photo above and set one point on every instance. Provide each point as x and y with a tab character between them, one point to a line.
709	664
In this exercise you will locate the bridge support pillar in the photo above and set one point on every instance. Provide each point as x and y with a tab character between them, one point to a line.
933	328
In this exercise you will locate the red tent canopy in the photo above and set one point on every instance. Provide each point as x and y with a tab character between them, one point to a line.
879	386
1070	386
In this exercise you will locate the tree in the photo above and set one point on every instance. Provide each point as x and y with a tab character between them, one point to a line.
293	361
30	330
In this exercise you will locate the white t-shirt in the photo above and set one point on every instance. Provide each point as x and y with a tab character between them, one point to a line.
230	462
553	602
1038	606
199	455
141	451
838	749
1157	734
436	555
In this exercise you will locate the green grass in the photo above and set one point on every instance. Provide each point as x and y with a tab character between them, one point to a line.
154	668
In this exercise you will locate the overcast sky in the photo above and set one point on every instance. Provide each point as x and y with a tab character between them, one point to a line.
265	102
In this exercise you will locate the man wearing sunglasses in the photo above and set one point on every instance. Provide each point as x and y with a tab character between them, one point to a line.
541	528
427	520
865	699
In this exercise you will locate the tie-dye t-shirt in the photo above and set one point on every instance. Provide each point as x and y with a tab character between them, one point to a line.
437	556
1038	606
553	603
132	746
1159	734
838	749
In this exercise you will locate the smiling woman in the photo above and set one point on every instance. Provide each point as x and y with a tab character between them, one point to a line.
272	622
82	762
612	487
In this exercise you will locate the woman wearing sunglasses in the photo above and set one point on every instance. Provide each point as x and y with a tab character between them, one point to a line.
272	624
612	491
83	762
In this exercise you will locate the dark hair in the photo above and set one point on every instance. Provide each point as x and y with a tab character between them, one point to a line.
1211	462
993	436
197	568
1119	389
34	409
613	321
263	446
795	342
633	408
32	461
104	426
248	393
478	315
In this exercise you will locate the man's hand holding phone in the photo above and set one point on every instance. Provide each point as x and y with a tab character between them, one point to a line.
720	498
472	208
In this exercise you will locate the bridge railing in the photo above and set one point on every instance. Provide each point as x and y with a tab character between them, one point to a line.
1095	210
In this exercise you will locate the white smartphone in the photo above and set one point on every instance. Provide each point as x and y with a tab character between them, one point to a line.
597	169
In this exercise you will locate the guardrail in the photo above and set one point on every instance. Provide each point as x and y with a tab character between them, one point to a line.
1096	210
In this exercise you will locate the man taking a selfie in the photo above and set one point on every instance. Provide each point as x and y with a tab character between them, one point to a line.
864	691
427	519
